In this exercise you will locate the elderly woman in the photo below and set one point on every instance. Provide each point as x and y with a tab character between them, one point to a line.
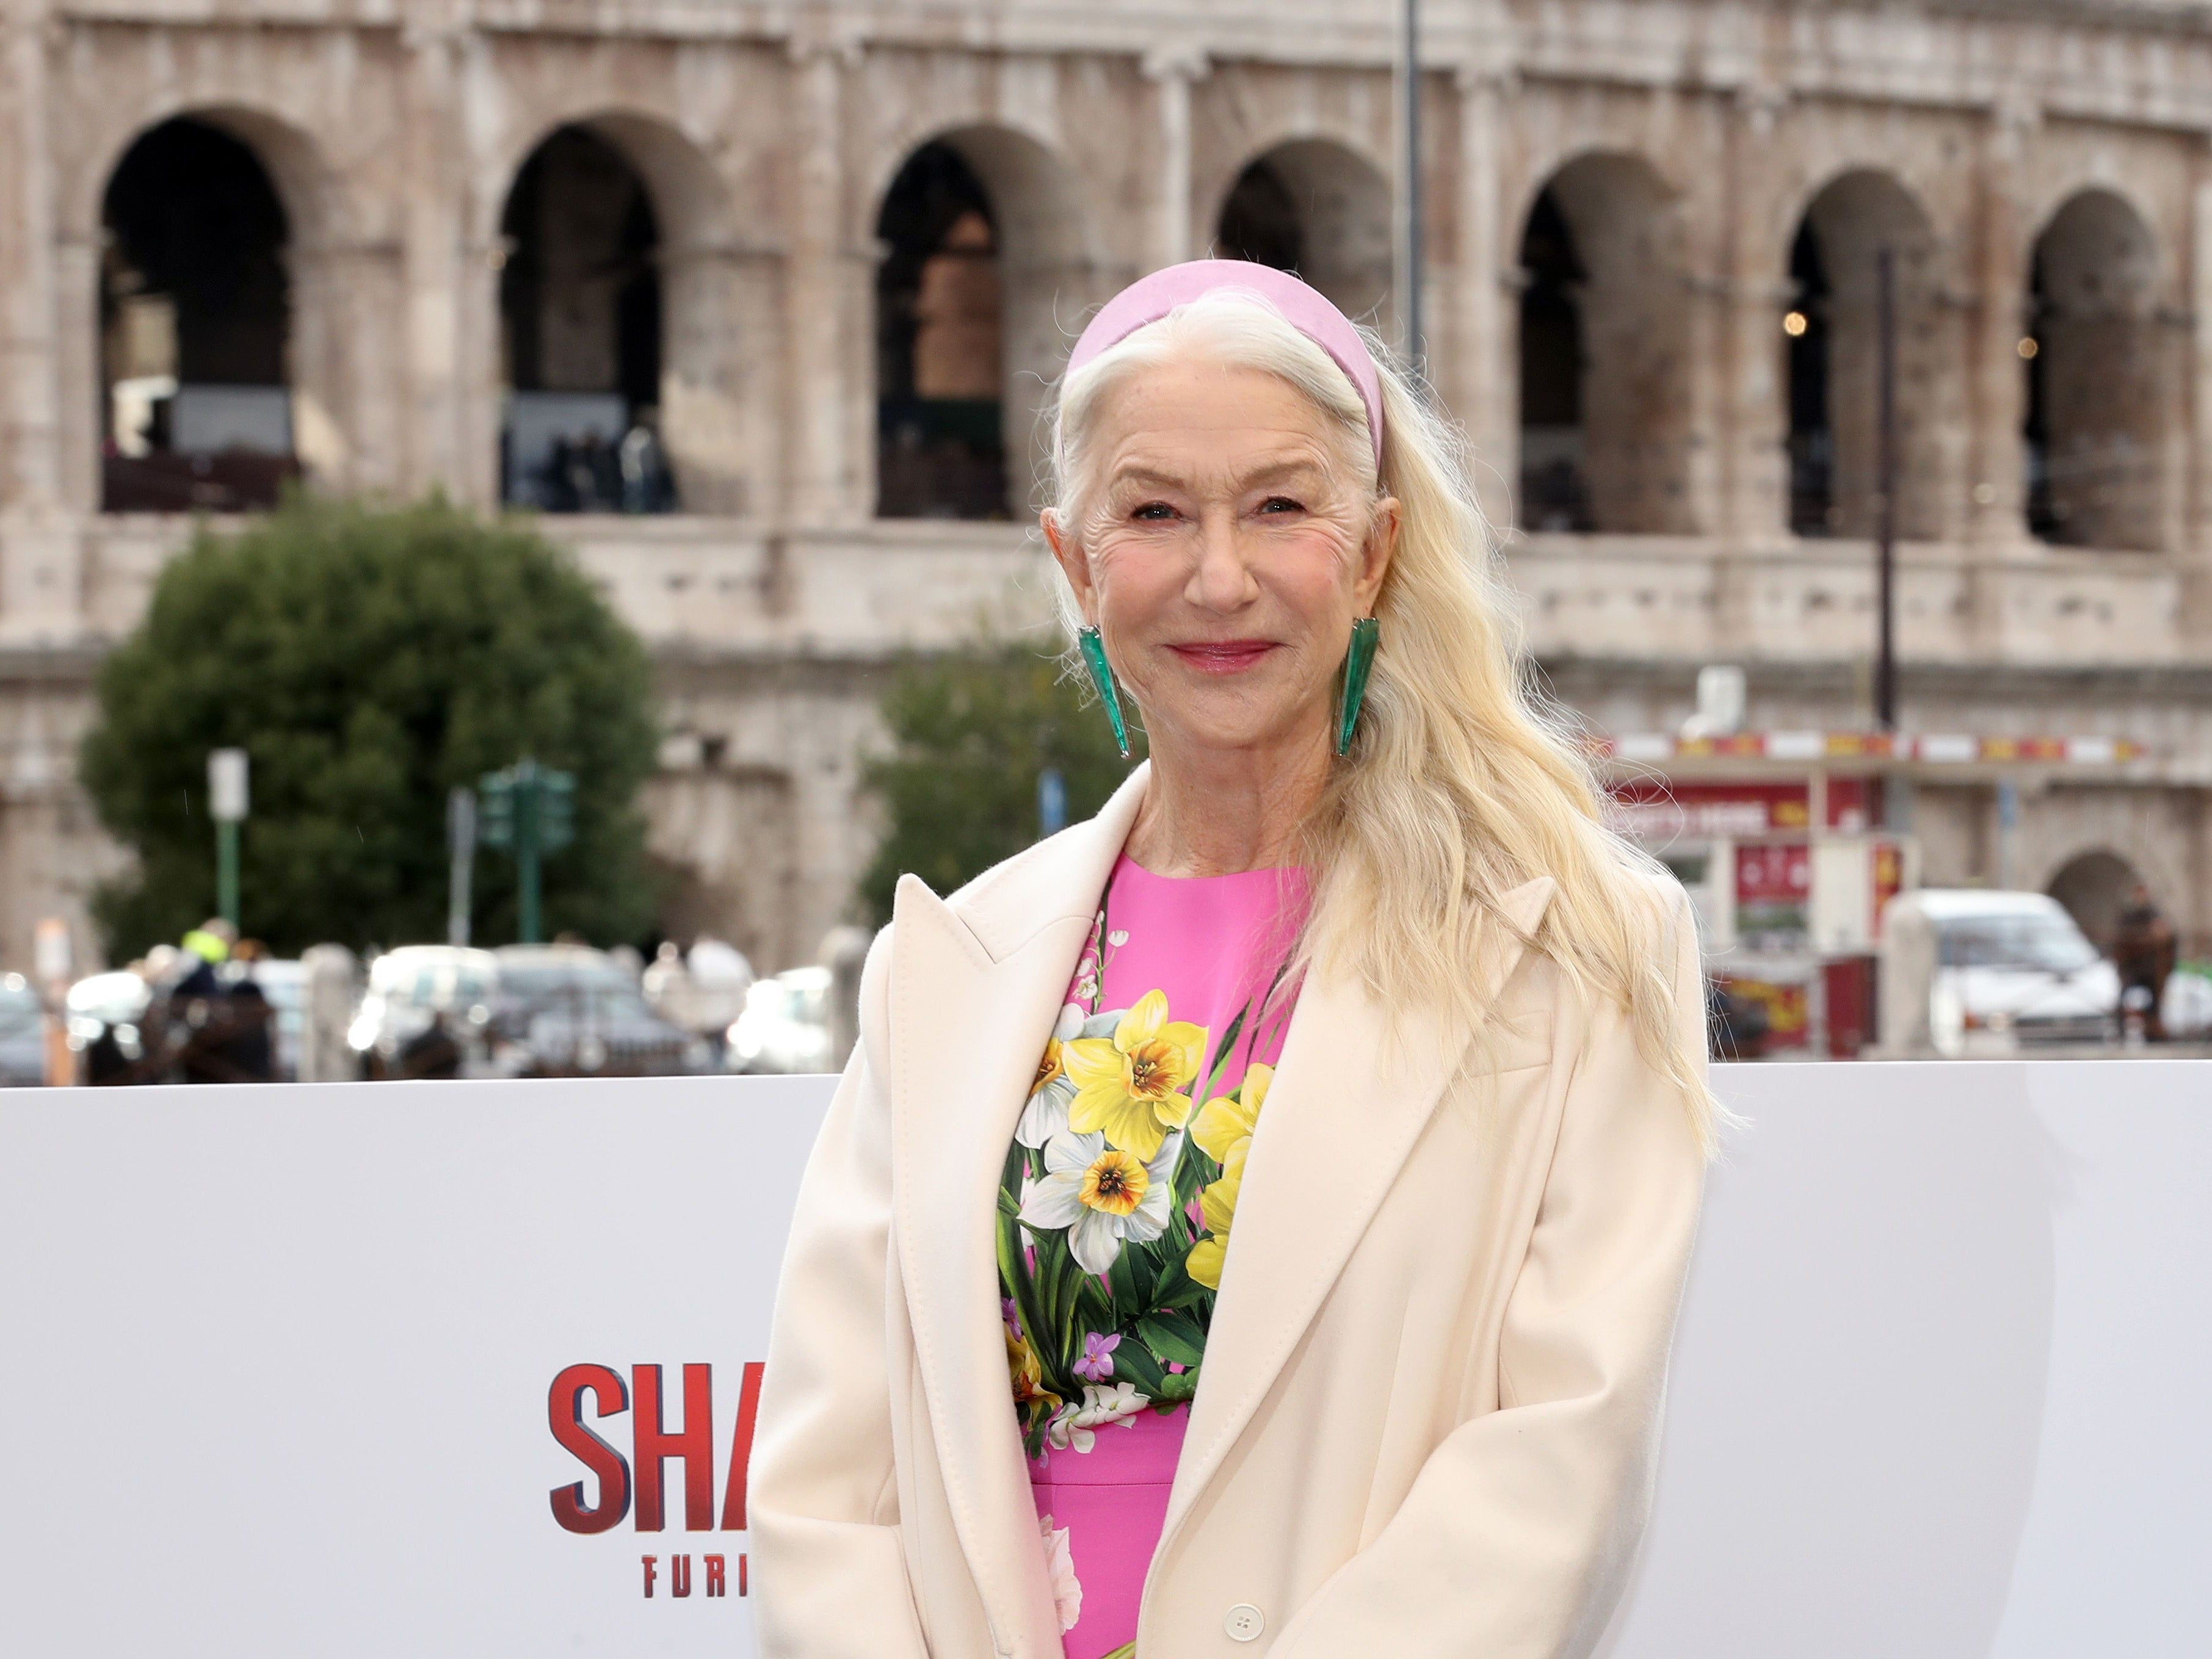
1257	1215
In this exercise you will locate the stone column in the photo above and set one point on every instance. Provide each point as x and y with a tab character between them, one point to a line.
828	314
2196	544
347	389
451	290
721	377
1476	373
1175	234
1996	398
49	453
1752	485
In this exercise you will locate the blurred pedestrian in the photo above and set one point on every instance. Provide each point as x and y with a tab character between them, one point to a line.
2144	950
245	1046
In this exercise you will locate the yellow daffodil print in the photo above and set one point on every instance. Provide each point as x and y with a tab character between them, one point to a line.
1102	1195
1032	1398
1131	1087
1217	1208
1222	1130
1226	1122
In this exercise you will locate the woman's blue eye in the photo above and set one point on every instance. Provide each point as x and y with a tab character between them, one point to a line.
1281	504
1154	509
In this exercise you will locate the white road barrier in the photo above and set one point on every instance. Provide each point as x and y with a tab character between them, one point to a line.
463	1369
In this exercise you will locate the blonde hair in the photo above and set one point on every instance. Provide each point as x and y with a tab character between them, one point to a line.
1461	783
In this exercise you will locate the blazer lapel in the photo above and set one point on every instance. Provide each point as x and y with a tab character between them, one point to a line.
1345	1111
974	988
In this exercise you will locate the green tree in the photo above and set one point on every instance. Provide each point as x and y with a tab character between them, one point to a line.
970	733
367	660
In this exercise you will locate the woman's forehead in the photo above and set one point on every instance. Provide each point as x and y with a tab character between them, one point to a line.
1180	423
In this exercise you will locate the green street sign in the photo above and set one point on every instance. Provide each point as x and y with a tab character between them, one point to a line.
529	810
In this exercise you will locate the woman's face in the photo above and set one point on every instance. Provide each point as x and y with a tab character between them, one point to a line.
1224	556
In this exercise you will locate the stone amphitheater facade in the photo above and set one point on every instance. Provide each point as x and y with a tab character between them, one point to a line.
1620	198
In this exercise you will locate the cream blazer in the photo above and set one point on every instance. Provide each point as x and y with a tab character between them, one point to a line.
1433	1386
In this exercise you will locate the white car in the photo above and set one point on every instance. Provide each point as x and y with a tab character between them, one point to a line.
2010	970
785	1026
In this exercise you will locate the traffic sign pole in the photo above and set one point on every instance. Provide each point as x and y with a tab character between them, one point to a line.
227	805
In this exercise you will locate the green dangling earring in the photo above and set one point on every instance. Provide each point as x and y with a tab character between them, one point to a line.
1102	677
1358	661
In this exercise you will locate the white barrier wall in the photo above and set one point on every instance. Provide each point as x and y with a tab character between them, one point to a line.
368	1370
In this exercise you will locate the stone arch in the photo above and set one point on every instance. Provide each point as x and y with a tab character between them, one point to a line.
1605	383
2093	885
622	299
2100	417
1318	207
1830	349
986	267
214	316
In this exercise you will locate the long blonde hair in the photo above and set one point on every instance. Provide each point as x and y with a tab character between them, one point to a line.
1461	783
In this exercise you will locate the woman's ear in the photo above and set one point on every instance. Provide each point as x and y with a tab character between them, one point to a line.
1064	552
1376	553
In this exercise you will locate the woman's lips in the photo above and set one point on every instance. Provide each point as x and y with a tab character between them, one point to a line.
1223	656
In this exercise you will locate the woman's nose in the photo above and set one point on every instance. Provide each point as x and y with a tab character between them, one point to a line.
1221	580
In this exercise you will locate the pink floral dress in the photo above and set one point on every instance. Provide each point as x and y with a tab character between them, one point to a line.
1116	1207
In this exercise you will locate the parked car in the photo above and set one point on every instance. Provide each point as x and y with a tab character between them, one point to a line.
785	1025
572	1011
22	1033
418	993
105	1016
2011	971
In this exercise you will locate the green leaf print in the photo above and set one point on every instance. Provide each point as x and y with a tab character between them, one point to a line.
1173	1336
1133	1364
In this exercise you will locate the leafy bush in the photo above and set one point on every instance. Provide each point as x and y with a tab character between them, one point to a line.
970	733
367	660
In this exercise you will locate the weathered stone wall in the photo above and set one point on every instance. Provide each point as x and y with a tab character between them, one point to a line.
1684	140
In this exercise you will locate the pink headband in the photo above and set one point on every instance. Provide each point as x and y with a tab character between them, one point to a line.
1305	308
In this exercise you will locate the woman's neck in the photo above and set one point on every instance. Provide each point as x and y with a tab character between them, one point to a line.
1219	812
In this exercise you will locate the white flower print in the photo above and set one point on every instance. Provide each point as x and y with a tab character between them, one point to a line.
1046	1114
1102	1195
1118	938
1073	1426
1059	1567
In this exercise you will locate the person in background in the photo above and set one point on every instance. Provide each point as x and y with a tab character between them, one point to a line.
2144	950
204	949
247	1044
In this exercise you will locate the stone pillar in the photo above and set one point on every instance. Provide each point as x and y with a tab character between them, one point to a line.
2196	578
446	284
1996	398
1752	486
49	455
346	391
828	318
33	477
721	377
1476	371
1175	234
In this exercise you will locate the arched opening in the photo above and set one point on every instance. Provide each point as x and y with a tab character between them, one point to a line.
2095	887
1604	342
1554	490
1317	208
987	265
941	364
2097	383
195	318
580	310
1832	345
